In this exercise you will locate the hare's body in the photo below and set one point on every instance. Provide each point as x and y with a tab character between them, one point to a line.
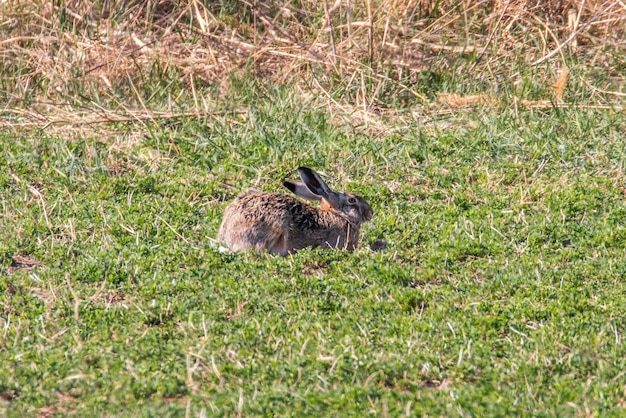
283	224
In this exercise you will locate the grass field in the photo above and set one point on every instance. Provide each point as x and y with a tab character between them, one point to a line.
502	289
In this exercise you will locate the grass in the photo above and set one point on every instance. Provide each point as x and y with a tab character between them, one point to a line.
501	199
501	290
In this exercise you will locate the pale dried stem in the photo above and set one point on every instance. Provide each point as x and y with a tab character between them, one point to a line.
367	38
573	35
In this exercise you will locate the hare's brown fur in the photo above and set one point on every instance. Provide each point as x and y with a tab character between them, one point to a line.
283	224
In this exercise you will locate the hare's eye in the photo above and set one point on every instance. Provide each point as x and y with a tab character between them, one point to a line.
352	201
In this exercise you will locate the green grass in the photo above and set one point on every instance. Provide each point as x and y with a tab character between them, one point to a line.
501	291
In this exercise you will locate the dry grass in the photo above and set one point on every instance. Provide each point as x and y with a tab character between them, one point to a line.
53	53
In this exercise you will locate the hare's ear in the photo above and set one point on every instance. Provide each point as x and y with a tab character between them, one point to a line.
314	182
299	189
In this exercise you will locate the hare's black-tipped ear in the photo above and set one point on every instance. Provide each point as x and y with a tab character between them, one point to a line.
314	182
299	189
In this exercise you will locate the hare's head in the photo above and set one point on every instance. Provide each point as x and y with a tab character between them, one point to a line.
313	188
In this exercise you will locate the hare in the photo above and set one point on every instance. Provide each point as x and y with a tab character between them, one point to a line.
282	224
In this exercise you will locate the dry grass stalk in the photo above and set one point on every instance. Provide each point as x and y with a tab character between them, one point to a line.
561	82
603	12
369	44
454	100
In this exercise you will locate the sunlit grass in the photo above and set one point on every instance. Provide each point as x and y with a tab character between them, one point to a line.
500	291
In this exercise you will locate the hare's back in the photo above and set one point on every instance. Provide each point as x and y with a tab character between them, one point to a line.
261	221
267	211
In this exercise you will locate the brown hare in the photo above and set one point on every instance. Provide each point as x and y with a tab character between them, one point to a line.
283	224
